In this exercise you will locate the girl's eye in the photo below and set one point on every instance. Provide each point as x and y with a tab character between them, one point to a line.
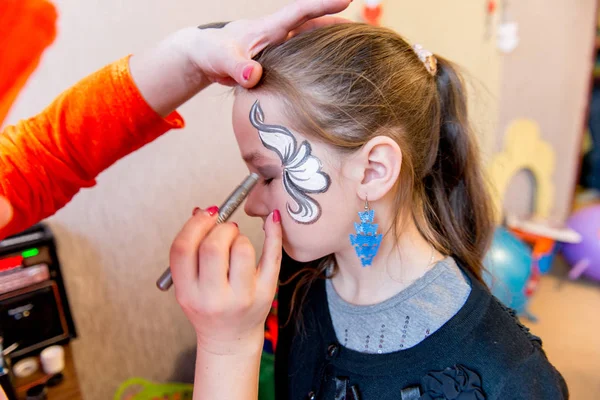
267	182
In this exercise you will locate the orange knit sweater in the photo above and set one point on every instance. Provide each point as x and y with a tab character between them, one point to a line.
46	159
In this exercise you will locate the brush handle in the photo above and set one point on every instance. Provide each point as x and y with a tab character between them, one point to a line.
235	199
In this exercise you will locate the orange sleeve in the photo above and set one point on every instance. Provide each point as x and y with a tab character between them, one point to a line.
27	28
46	159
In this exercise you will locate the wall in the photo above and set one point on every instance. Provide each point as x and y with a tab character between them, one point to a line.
456	30
547	79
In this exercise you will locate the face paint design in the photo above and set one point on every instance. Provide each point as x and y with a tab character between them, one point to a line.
301	170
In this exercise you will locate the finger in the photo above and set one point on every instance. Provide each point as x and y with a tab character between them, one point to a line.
214	257
318	23
297	13
242	267
184	250
6	212
246	72
226	81
270	261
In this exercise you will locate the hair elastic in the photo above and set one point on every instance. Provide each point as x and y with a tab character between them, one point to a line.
427	58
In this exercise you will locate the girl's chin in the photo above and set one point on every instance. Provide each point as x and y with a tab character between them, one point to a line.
300	255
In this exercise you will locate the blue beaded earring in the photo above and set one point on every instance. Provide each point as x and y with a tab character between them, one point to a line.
366	241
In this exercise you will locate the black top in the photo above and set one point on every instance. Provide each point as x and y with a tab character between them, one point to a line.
483	352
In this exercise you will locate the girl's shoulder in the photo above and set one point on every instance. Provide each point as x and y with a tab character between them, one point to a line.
516	356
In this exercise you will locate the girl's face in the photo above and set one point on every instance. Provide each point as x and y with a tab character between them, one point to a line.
302	178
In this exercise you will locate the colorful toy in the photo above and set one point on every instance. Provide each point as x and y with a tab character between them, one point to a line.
525	150
371	12
508	269
514	269
584	256
545	241
271	330
141	389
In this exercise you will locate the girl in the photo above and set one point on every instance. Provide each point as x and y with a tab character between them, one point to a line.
384	304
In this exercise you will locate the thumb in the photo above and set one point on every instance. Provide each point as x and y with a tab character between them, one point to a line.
246	72
6	212
270	261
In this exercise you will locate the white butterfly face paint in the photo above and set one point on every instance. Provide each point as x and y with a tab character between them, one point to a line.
301	170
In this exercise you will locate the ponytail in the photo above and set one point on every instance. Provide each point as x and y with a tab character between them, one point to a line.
456	205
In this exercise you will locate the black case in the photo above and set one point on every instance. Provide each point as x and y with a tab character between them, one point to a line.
39	315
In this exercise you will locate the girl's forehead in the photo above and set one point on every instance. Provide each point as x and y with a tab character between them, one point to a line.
271	106
272	113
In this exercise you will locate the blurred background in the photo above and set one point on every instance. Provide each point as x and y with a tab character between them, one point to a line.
530	66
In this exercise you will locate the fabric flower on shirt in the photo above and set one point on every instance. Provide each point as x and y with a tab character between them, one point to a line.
455	383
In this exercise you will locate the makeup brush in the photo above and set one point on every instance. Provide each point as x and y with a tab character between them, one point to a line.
232	203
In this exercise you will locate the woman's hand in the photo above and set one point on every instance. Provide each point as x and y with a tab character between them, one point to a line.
225	55
226	297
191	59
222	291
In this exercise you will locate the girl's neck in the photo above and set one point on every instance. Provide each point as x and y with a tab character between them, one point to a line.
397	265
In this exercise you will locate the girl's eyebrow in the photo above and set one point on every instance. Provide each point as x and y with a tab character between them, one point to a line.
269	171
253	158
256	158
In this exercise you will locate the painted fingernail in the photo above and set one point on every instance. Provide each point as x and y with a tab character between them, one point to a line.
212	210
236	225
196	210
276	216
247	72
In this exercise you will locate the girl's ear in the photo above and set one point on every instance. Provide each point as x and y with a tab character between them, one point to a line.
375	168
